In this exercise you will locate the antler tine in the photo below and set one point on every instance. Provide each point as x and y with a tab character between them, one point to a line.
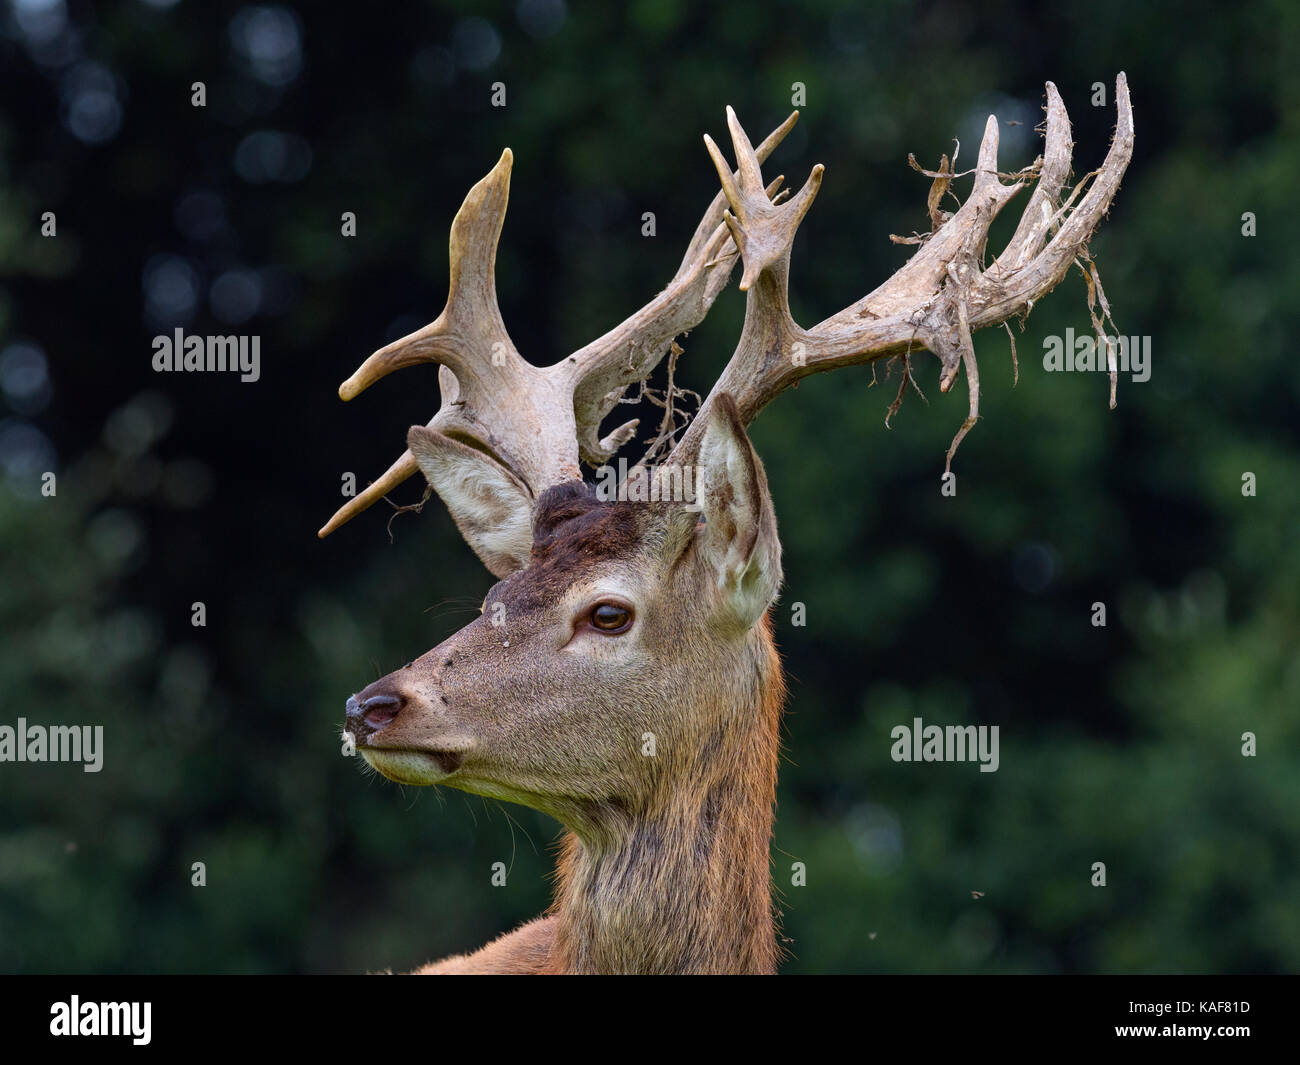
1045	271
764	232
489	394
602	371
962	235
1035	224
469	332
707	230
943	293
404	468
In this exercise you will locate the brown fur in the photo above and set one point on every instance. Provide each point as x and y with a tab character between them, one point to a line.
524	952
687	887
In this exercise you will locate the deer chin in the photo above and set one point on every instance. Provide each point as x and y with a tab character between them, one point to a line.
410	766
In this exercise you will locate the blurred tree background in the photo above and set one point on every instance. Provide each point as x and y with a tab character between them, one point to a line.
1119	744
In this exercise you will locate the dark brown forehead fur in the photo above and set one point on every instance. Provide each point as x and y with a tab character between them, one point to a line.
573	530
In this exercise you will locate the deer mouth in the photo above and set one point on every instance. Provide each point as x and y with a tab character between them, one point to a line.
410	765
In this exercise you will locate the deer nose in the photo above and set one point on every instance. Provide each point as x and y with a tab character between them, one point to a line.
373	710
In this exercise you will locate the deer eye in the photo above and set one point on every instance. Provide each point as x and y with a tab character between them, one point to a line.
611	618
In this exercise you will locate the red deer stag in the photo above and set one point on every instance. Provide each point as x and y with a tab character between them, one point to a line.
623	677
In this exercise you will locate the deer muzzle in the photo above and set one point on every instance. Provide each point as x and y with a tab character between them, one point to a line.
374	717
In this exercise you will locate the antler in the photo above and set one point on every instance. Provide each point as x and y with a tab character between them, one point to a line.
939	298
537	422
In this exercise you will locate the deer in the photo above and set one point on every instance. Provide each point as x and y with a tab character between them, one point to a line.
623	676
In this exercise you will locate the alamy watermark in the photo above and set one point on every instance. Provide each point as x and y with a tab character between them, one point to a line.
75	1017
1082	353
669	483
950	743
207	354
53	743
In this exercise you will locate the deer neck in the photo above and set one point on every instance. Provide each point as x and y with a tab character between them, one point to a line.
683	885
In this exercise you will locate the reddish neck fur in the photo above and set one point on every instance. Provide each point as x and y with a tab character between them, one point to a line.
685	886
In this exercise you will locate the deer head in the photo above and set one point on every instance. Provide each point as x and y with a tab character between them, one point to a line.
623	602
622	676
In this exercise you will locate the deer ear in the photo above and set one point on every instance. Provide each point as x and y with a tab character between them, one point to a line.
738	539
488	503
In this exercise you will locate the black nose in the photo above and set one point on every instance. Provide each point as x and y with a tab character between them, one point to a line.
373	710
